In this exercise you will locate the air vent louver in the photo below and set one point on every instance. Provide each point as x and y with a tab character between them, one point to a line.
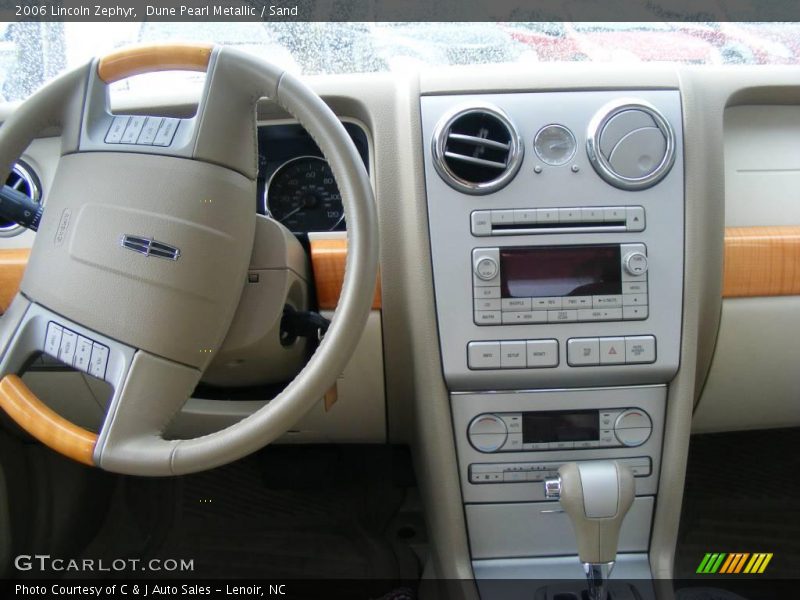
22	179
477	150
631	145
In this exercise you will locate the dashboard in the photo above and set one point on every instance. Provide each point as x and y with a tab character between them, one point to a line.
552	245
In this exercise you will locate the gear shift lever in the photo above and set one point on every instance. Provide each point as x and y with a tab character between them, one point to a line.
596	496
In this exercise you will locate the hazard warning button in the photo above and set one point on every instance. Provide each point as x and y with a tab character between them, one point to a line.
612	351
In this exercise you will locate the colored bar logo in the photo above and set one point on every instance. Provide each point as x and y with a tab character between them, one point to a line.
734	563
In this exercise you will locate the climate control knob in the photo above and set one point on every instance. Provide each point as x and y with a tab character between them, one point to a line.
633	427
487	433
636	263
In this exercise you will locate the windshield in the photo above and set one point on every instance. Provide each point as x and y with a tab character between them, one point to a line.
32	53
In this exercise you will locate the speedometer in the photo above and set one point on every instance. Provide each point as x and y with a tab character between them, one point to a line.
302	195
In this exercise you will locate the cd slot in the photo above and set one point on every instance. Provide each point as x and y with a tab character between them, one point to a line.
577	227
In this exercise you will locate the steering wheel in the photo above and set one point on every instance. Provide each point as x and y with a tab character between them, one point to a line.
142	255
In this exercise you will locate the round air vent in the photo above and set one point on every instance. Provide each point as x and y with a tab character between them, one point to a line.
477	150
631	145
23	179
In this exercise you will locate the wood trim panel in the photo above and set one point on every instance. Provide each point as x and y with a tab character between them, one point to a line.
12	267
47	426
327	260
137	60
761	261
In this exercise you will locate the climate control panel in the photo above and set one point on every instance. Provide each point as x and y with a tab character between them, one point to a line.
559	430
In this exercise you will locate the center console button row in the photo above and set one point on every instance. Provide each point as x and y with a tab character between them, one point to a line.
539	471
583	352
544	220
513	354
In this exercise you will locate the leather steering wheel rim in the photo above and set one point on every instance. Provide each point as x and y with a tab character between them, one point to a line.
235	83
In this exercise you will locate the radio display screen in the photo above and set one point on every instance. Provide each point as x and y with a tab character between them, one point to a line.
560	271
560	426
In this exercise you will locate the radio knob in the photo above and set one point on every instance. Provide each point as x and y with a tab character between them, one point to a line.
486	268
487	433
636	263
633	427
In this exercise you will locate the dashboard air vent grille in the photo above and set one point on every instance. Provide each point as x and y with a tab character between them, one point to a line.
477	150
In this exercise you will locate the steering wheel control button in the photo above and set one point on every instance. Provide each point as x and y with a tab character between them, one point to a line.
640	349
149	131
83	354
542	354
483	355
636	263
99	361
487	433
166	132
132	131
66	352
52	341
118	125
583	352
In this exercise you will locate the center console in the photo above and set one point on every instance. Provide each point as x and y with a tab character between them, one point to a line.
556	227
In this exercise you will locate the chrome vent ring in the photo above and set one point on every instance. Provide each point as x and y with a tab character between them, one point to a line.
630	144
23	179
477	149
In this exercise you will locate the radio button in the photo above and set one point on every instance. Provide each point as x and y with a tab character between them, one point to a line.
550	303
514	304
576	302
487	292
487	304
486	268
635	263
513	356
562	445
600	314
481	221
615	213
488	317
634	220
592	215
640	349
525	216
606	301
547	215
634	287
502	217
583	352
634	300
519	318
633	313
612	351
562	316
542	354
483	355
569	215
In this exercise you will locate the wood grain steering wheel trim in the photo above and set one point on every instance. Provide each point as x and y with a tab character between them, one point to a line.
157	57
47	426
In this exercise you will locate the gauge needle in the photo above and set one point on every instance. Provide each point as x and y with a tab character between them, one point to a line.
298	209
557	145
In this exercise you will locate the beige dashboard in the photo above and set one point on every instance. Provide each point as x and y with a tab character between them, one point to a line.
741	128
